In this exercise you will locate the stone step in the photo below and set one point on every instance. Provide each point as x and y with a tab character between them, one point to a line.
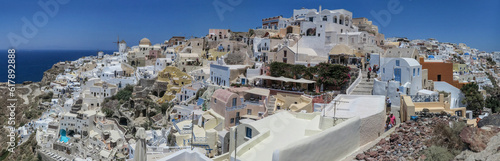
360	93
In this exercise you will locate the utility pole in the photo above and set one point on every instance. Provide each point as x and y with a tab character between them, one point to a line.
192	130
335	109
235	142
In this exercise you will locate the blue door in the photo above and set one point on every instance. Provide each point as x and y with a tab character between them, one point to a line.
397	74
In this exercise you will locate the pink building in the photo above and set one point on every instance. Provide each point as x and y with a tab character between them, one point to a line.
153	54
250	104
219	34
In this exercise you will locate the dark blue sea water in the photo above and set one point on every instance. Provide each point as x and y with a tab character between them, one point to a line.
30	64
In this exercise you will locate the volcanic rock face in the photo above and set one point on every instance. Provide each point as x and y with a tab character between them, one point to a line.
491	152
407	142
478	138
490	120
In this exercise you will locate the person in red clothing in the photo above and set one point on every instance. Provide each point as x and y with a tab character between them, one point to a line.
393	119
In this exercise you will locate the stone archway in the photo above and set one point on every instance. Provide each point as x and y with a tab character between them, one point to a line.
311	32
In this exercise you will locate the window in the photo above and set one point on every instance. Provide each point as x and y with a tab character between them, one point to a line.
284	53
325	18
397	63
215	100
413	71
335	19
439	77
311	19
234	102
383	70
248	132
418	72
232	120
249	111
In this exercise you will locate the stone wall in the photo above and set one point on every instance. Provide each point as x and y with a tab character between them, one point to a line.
372	127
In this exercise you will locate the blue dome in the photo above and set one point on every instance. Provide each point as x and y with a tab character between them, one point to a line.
466	54
431	56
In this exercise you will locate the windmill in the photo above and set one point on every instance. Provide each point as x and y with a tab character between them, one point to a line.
117	42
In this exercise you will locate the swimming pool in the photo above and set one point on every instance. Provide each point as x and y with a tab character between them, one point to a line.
64	139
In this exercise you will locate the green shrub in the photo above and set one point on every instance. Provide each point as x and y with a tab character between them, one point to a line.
446	136
437	153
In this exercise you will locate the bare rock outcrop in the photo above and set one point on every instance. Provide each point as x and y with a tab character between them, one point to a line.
478	138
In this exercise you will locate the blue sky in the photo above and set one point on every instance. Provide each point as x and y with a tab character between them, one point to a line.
93	24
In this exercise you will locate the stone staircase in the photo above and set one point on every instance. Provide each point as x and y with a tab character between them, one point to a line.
270	105
364	87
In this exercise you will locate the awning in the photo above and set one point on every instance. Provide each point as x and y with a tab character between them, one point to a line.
283	79
251	117
259	91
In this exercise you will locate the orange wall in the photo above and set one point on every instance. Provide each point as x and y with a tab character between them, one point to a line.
440	68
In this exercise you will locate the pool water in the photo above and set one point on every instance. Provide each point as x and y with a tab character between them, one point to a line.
64	139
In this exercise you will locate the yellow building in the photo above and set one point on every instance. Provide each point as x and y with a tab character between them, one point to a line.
175	79
295	103
408	107
460	68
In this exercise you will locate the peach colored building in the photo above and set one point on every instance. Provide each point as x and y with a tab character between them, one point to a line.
233	107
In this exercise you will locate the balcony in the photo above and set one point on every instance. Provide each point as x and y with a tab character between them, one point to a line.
236	107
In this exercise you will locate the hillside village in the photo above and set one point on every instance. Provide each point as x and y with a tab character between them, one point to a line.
319	85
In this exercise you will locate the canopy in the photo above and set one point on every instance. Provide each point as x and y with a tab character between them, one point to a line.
251	117
283	79
426	92
259	91
341	49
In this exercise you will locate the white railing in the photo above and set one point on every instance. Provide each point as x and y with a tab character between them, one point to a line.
181	131
200	140
354	84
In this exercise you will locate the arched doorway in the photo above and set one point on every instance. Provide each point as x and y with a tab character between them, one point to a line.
311	32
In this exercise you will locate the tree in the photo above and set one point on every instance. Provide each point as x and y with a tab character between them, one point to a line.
473	98
109	112
493	103
332	75
279	69
166	106
124	94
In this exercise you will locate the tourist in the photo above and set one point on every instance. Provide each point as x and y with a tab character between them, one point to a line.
393	119
368	77
388	124
388	101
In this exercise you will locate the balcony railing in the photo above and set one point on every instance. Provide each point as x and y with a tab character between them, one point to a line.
236	107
